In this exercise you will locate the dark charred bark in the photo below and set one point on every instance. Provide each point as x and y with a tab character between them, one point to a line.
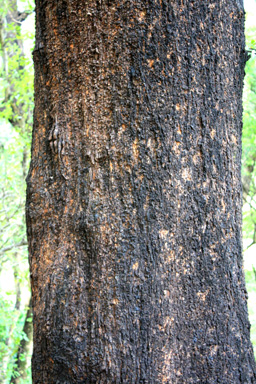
134	193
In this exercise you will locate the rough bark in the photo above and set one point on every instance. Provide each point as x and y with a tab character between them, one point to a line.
134	193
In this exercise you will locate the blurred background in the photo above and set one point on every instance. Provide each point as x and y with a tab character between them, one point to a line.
17	22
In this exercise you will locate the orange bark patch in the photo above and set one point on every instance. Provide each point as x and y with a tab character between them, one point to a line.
151	63
135	149
142	15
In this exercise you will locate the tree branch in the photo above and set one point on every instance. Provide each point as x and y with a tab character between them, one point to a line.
21	244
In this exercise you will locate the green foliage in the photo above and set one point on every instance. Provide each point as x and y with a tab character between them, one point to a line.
249	141
16	111
16	82
251	40
12	190
251	288
11	324
249	150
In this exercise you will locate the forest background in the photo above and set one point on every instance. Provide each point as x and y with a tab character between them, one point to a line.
16	118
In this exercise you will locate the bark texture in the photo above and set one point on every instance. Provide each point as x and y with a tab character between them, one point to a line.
134	193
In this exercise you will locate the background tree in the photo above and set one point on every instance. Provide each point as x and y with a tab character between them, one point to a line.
134	194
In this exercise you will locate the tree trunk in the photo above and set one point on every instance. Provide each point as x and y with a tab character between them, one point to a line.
134	193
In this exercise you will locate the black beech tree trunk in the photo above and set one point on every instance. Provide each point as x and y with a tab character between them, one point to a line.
134	193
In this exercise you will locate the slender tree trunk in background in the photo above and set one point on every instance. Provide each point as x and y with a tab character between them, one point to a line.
25	348
134	193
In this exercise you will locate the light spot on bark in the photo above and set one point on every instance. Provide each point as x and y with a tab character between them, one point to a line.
186	174
163	233
213	133
151	63
176	146
234	139
171	256
142	15
135	149
214	349
202	295
135	266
